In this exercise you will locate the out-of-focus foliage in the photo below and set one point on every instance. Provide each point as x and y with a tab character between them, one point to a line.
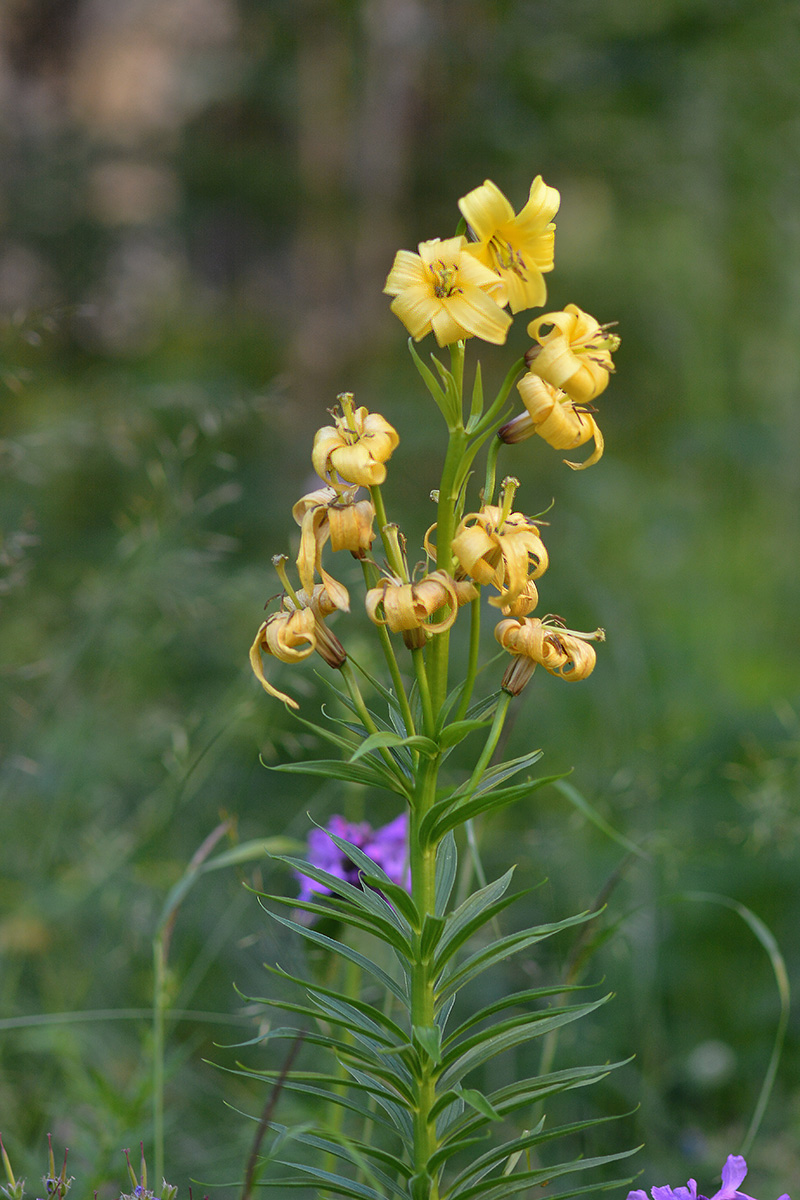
199	202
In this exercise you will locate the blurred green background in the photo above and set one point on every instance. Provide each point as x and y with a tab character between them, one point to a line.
199	202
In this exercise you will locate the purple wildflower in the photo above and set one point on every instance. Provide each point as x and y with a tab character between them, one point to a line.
733	1173
387	847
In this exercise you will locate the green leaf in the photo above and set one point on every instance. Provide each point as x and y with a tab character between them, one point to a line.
345	951
373	774
454	733
446	866
429	1038
443	398
335	1183
366	900
439	820
521	1181
463	1057
487	956
522	999
471	915
431	932
480	1103
476	405
524	1093
317	989
424	745
396	895
343	912
357	1153
395	1106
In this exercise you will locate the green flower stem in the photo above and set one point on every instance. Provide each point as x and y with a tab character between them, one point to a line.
489	748
363	711
423	888
457	370
391	662
472	662
428	719
445	531
393	557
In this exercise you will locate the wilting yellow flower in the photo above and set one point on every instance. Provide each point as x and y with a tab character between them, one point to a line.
293	633
502	548
563	424
327	514
518	248
354	449
562	652
574	354
446	289
408	607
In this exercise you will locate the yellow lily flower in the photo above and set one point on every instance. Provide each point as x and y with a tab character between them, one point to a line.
447	289
518	248
574	354
354	449
327	514
562	652
502	548
563	424
408	607
295	632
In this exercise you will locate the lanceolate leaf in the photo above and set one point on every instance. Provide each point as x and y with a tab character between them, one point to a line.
350	1149
469	916
375	774
444	815
515	1000
424	745
521	1181
374	1014
344	951
487	956
333	1183
463	1057
446	867
351	916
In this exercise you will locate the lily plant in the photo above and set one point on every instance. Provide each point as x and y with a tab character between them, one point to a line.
393	1076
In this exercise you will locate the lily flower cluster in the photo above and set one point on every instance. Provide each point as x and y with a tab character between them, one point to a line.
458	288
733	1174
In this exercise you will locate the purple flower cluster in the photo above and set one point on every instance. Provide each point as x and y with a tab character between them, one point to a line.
733	1173
387	847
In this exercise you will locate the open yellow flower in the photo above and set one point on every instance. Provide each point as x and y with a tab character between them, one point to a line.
563	424
574	354
446	289
295	632
502	548
562	652
354	449
327	514
518	248
407	607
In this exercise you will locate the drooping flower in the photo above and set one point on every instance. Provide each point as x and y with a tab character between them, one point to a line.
503	548
733	1174
295	632
327	514
407	607
354	449
447	290
573	354
387	847
562	423
518	248
562	652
